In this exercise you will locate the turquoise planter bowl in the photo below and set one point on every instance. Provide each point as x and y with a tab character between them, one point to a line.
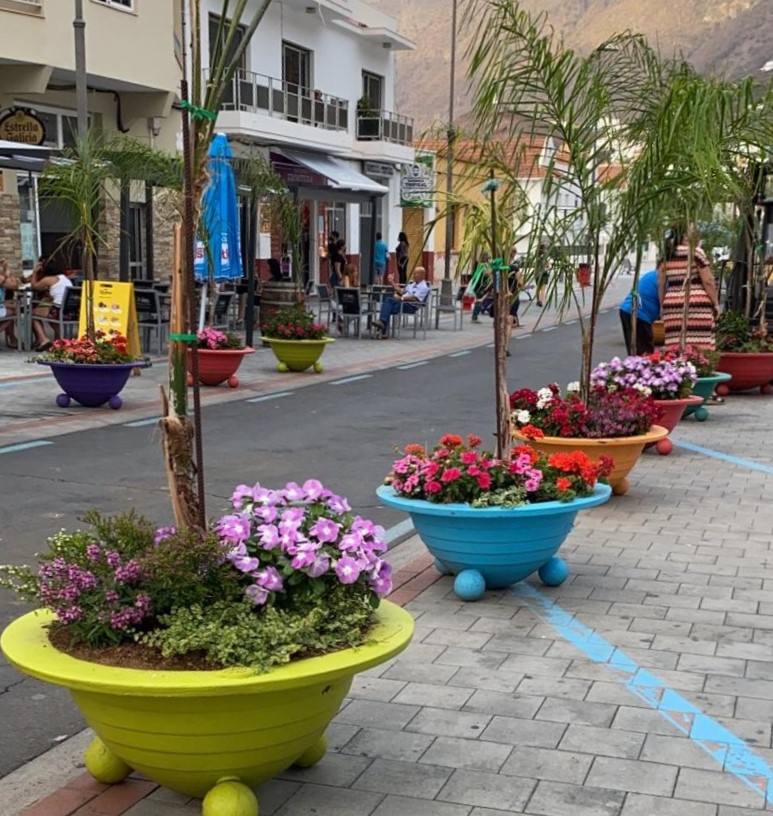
500	546
704	387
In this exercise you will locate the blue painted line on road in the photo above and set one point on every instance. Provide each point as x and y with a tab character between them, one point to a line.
725	457
24	446
412	365
729	751
267	397
141	423
460	354
347	380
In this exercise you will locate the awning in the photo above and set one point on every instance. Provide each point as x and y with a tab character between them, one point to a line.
16	156
335	175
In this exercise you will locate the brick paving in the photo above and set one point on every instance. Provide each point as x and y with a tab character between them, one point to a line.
493	711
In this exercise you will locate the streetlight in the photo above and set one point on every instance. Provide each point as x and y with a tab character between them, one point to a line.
81	82
446	291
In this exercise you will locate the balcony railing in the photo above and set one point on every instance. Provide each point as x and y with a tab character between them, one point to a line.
257	93
384	126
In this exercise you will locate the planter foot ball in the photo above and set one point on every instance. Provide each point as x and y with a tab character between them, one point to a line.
311	756
664	447
469	585
230	797
621	487
103	764
701	414
554	572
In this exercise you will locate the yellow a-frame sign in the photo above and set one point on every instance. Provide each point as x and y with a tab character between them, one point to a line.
114	311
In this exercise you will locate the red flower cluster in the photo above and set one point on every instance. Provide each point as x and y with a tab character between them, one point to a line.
605	414
294	323
455	471
107	349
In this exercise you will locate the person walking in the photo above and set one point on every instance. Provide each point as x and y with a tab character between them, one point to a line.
402	253
380	256
647	311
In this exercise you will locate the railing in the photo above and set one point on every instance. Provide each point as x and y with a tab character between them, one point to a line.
31	6
384	126
257	93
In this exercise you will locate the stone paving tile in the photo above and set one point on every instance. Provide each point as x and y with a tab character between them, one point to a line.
485	680
337	770
412	779
444	723
712	665
680	751
474	755
405	806
474	658
716	788
643	720
452	637
412	672
514	731
477	788
378	743
507	705
542	666
320	800
338	734
632	775
638	804
375	688
384	715
436	696
545	763
576	711
517	644
604	741
556	799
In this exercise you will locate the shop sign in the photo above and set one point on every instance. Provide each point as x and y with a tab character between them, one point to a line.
378	169
417	183
22	126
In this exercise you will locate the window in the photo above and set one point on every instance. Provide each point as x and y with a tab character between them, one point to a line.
137	226
217	38
373	90
122	4
61	125
296	68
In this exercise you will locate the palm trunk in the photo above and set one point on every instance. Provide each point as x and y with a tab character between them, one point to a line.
692	243
504	419
589	335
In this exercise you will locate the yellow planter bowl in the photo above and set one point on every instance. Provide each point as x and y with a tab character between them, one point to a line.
193	730
298	355
624	451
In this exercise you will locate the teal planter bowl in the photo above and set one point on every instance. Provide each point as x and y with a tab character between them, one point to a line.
704	387
491	547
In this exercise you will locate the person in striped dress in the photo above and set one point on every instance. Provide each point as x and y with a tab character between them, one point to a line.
703	303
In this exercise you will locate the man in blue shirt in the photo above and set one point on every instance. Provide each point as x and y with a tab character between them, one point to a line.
647	311
380	255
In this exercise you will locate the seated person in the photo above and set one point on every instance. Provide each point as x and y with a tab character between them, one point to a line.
349	280
406	299
8	282
53	286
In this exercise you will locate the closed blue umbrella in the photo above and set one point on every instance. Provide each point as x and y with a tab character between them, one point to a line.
220	218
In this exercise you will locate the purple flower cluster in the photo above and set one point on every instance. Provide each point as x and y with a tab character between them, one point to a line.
653	375
283	540
71	590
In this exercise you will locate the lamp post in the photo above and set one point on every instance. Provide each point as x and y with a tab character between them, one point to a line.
446	291
81	82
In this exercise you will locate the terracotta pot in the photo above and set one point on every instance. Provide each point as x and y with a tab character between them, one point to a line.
747	369
218	365
673	411
624	451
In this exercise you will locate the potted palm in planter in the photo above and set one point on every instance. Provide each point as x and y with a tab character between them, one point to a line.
492	522
211	662
616	424
296	339
220	355
666	377
91	372
746	354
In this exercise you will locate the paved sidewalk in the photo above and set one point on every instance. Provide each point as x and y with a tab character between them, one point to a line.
641	687
27	391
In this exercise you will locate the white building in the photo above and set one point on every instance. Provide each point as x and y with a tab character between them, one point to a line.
316	92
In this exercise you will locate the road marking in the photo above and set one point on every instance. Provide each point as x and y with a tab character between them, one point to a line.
725	457
460	353
267	397
524	336
24	446
550	328
729	751
140	423
491	345
569	322
412	365
350	379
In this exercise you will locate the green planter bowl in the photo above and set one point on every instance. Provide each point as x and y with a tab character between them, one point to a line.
704	387
212	734
298	355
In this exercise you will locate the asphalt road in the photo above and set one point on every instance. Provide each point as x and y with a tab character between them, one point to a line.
344	434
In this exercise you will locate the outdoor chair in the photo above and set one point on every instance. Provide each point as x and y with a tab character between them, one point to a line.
223	316
420	316
351	309
66	325
324	303
455	308
151	318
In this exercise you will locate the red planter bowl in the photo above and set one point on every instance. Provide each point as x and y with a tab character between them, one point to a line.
673	410
747	370
218	366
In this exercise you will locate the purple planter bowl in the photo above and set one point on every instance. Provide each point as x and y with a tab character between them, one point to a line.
91	385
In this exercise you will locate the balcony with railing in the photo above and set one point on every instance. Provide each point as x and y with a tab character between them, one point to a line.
258	93
23	6
384	126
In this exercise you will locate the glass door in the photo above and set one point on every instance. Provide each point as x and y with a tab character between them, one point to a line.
296	78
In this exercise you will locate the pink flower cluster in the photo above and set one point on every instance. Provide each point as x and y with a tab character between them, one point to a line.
215	340
283	541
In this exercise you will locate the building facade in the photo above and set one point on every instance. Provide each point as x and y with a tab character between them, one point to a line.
316	94
133	63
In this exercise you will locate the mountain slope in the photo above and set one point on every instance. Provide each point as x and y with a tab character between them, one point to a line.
719	36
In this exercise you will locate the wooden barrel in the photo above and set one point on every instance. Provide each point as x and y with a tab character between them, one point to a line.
277	295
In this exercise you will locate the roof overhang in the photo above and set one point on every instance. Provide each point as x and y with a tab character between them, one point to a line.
323	177
389	39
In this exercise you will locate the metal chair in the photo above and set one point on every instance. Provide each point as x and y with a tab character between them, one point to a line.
419	311
150	316
66	324
455	308
351	309
223	316
324	301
